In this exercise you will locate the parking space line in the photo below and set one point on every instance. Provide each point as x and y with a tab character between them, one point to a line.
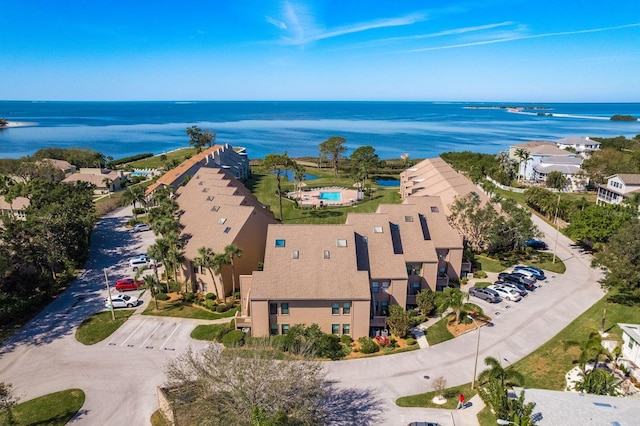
170	335
132	333
151	335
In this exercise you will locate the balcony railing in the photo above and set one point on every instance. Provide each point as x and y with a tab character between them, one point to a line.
242	321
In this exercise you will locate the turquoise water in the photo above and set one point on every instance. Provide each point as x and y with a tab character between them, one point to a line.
140	173
330	196
388	182
419	129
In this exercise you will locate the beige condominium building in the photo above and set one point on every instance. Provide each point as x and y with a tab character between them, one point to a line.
345	277
217	210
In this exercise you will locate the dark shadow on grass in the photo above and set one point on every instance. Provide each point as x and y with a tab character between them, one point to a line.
325	213
346	407
110	248
625	299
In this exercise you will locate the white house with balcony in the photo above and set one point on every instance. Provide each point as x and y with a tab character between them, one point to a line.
631	346
570	167
618	188
581	145
538	150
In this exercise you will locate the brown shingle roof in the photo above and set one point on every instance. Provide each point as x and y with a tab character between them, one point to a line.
311	276
630	179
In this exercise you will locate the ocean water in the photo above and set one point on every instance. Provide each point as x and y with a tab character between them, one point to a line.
419	129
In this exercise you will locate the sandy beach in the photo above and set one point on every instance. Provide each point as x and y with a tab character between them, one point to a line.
20	124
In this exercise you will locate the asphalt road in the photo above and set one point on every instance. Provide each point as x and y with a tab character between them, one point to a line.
119	376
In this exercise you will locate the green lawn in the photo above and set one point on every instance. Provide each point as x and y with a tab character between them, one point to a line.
155	161
438	332
158	419
424	400
545	368
184	310
99	326
54	409
264	186
208	332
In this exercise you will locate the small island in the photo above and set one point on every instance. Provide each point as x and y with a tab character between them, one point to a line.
3	123
619	117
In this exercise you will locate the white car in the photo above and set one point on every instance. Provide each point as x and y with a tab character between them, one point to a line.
526	273
141	227
506	293
121	301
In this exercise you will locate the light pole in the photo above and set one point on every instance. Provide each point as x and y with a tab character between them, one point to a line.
106	280
555	246
475	363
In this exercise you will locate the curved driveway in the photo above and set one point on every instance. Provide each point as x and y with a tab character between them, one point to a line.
517	331
119	376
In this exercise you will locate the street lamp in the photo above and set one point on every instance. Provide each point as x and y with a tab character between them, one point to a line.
475	363
555	246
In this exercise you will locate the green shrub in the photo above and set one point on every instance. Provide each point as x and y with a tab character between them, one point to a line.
368	346
210	304
188	297
345	339
464	280
481	274
221	308
229	305
411	341
174	286
233	339
162	296
210	296
328	346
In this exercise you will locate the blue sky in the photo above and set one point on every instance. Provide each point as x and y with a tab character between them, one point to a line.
547	51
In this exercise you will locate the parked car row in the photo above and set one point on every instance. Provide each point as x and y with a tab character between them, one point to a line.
511	286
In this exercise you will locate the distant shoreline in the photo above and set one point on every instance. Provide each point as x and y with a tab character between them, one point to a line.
19	124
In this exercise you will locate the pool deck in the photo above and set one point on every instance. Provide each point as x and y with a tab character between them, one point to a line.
311	196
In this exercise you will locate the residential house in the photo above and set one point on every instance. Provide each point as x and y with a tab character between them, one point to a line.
570	167
631	347
345	277
16	208
618	188
581	145
436	178
217	210
105	180
233	161
537	150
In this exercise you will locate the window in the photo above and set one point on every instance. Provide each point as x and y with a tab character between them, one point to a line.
222	220
375	287
273	309
280	243
284	308
209	197
205	189
408	218
434	209
346	308
215	208
346	329
327	254
342	243
335	328
385	286
385	308
377	229
195	269
284	328
226	230
415	288
295	255
203	270
365	240
273	329
335	309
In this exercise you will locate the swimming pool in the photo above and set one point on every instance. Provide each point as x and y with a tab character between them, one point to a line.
140	173
330	196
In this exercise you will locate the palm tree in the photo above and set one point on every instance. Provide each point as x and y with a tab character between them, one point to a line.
107	182
232	251
454	298
158	251
523	155
174	259
218	262
133	195
506	377
299	176
206	259
590	350
335	146
151	282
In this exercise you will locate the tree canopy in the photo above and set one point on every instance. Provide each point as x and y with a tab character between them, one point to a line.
279	164
622	260
334	147
200	139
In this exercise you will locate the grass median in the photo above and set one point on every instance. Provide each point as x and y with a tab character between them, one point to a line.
54	409
99	326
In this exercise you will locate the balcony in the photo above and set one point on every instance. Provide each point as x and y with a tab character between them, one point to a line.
242	321
378	321
466	266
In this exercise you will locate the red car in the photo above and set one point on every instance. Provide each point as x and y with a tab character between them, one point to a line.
127	284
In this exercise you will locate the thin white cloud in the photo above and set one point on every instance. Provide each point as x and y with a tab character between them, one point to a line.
522	37
302	25
276	23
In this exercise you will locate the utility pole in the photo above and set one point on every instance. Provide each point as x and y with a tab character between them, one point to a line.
555	246
106	280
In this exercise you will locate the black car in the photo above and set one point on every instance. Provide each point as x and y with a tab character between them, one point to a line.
485	294
514	277
536	244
